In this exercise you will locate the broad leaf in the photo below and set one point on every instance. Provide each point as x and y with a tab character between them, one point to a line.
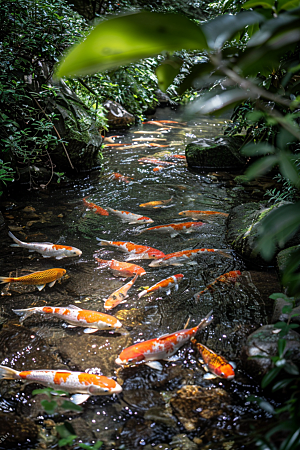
269	4
167	71
281	346
257	149
277	295
287	4
49	407
269	377
125	39
67	404
211	103
199	70
260	167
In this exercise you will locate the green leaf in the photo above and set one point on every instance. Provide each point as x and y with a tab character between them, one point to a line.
287	309
281	346
288	168
167	71
269	377
287	4
67	441
268	4
267	406
125	39
199	71
65	430
278	295
257	149
67	404
49	407
291	368
282	384
292	442
260	167
212	103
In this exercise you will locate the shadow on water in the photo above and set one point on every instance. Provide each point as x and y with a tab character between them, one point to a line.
174	408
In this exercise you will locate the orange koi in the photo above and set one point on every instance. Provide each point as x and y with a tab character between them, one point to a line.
153	144
161	348
47	249
119	295
38	279
159	122
120	177
82	384
97	209
229	277
176	228
158	168
117	145
147	160
156	204
75	316
185	256
213	363
130	217
136	251
202	214
178	156
164	285
121	269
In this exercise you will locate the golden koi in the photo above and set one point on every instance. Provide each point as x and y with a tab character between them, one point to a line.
120	268
164	285
229	277
119	295
202	214
82	384
136	251
47	249
163	347
185	256
97	209
130	217
215	364
75	316
176	228
156	204
38	279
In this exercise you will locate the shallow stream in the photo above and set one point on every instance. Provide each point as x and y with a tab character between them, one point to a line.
175	408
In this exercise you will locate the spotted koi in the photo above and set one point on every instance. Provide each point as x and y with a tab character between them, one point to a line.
185	256
82	384
75	316
213	363
119	295
47	249
136	251
164	285
97	209
38	279
120	268
229	277
130	217
176	228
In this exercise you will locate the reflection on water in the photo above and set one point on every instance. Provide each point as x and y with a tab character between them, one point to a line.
175	408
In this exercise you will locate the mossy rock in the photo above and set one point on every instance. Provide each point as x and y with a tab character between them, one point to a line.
212	154
243	230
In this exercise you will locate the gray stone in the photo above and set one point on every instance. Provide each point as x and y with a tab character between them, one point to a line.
117	116
278	315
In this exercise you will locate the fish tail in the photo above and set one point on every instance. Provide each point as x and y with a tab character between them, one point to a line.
142	293
225	253
18	243
24	313
206	321
102	241
6	373
6	279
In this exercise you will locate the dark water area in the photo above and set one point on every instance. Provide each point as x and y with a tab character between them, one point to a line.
175	408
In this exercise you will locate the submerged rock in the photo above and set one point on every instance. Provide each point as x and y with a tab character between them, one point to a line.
15	431
211	154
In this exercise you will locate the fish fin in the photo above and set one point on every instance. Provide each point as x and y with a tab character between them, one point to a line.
176	264
6	373
90	330
52	283
225	253
74	307
40	286
44	256
154	365
176	287
16	245
30	250
168	292
201	361
142	293
24	313
209	376
79	398
174	234
17	241
57	257
172	358
233	364
192	263
72	326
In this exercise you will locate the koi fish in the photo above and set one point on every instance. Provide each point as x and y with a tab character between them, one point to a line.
97	209
164	285
156	204
229	277
136	251
184	256
75	316
176	228
120	177
163	347
202	214
120	268
213	363
47	249
119	295
160	162
147	132
147	139
82	384
38	279
159	122
178	156
130	217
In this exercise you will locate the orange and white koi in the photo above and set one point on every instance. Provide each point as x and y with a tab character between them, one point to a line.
161	348
202	214
164	285
130	217
213	363
120	268
159	122
38	279
75	316
97	209
119	295
185	256
159	162
136	251
120	177
156	204
82	384
176	228
228	277
47	249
